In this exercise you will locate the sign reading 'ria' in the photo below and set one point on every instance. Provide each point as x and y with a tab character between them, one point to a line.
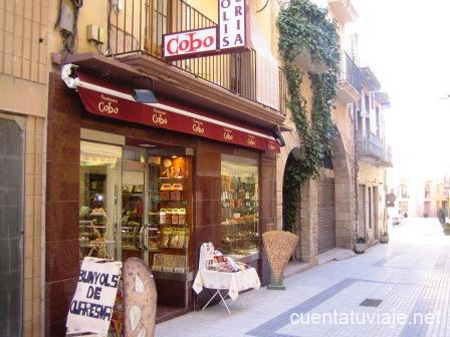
230	35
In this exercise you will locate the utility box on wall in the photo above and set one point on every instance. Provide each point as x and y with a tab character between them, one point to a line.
95	34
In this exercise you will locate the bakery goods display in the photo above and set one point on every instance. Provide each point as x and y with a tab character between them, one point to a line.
170	214
240	232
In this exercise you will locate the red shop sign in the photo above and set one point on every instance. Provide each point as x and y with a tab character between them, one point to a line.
231	34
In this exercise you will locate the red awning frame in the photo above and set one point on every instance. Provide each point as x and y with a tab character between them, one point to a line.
106	99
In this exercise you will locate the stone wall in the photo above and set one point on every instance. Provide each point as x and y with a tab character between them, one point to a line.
345	194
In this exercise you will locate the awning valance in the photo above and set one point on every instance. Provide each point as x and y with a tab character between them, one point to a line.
107	99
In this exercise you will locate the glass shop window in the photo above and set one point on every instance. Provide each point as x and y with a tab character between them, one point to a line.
100	179
240	207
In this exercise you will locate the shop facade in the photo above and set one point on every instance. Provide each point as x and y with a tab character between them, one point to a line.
127	179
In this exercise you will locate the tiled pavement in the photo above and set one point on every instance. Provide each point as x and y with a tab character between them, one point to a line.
411	275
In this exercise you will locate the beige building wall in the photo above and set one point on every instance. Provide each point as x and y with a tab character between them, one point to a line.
34	205
24	28
373	176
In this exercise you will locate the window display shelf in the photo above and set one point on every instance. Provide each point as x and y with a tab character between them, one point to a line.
240	230
170	214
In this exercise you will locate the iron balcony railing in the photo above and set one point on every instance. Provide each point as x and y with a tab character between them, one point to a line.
370	145
139	26
350	72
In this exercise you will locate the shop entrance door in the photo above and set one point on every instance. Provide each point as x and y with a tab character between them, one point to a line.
134	225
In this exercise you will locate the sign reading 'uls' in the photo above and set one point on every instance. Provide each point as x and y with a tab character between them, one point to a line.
230	34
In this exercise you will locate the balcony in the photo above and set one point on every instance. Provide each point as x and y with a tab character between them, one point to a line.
343	10
227	83
371	148
349	90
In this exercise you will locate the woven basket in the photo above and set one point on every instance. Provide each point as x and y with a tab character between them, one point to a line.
279	246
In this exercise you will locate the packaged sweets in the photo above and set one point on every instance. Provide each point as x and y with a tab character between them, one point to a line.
165	192
175	216
183	242
169	216
163	216
158	262
176	192
170	263
173	241
182	216
180	241
165	239
180	264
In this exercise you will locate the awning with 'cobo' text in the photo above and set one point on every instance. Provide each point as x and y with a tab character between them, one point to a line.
104	98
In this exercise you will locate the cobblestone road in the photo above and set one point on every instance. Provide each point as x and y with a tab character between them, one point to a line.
409	279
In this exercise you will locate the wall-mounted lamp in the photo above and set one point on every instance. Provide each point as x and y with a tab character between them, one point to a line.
142	95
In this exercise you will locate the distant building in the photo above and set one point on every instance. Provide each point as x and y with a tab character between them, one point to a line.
374	156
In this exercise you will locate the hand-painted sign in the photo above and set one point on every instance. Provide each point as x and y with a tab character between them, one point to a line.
230	34
92	305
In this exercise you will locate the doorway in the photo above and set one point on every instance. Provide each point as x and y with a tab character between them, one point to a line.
292	199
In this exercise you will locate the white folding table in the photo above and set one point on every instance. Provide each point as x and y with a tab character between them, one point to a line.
233	282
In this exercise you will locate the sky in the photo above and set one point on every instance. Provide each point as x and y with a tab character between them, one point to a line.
407	45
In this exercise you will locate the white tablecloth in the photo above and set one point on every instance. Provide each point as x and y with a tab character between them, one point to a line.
233	282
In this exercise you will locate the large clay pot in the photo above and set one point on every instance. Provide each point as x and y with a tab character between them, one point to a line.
384	238
139	299
360	248
279	246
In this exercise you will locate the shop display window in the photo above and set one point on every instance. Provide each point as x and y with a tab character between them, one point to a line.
136	202
170	213
133	212
240	207
100	178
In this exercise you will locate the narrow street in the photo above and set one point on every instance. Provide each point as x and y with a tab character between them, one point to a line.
409	277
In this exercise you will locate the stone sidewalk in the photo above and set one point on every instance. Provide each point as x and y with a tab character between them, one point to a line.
408	279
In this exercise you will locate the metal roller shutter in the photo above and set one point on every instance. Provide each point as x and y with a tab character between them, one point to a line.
11	227
326	215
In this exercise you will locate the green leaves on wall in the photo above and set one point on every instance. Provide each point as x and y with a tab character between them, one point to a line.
305	30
